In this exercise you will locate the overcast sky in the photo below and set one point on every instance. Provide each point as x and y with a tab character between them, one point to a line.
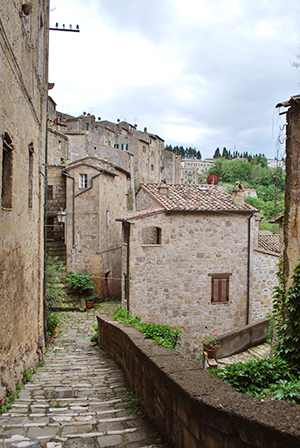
200	73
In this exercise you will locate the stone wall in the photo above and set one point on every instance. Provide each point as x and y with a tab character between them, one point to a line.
23	88
190	407
97	234
263	280
170	283
56	181
172	165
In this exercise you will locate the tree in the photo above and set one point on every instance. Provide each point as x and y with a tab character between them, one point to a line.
217	154
225	153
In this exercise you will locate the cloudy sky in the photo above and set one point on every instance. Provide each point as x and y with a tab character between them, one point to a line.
200	73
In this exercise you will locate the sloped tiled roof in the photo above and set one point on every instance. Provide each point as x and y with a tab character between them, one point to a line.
95	162
130	215
194	197
270	243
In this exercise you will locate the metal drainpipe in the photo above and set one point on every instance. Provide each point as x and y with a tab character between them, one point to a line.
128	270
73	208
45	227
248	268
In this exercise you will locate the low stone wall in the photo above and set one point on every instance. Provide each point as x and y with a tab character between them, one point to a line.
243	338
190	407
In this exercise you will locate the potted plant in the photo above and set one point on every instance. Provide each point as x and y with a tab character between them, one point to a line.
27	7
210	343
89	301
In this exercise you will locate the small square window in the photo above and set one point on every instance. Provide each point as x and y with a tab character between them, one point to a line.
220	288
82	180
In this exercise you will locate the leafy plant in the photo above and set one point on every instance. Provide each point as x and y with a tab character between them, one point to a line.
162	334
52	322
81	282
254	377
286	312
56	276
57	404
94	337
27	376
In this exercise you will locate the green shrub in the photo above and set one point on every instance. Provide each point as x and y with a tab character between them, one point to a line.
162	334
81	282
255	377
52	322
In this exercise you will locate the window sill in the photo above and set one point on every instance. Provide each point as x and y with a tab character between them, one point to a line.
6	209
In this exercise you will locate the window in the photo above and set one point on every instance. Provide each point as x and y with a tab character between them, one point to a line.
116	146
144	148
7	172
50	192
220	287
152	153
152	167
107	218
108	142
30	174
86	126
151	235
82	180
125	146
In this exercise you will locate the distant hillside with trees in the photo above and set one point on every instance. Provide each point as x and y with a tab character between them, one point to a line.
185	153
254	172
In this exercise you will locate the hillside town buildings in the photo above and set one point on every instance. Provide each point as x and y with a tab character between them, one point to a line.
23	100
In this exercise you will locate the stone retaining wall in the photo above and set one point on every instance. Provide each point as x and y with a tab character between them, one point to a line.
190	407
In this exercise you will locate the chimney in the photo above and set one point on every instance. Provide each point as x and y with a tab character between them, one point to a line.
238	194
163	187
145	129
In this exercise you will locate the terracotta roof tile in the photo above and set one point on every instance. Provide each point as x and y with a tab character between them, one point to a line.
130	215
195	197
270	243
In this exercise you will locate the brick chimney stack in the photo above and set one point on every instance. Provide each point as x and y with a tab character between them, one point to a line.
238	194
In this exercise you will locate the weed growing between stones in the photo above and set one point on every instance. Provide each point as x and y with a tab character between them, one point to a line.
94	337
162	334
131	403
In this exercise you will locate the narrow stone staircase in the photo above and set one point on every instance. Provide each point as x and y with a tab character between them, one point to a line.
76	399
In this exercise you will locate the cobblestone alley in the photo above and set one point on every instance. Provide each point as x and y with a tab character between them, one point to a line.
75	399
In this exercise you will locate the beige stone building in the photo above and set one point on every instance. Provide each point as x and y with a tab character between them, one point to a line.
192	168
96	195
190	259
140	152
23	98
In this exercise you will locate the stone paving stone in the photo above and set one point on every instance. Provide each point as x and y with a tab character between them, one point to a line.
86	410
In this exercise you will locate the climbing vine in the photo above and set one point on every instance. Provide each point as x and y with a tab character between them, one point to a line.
286	310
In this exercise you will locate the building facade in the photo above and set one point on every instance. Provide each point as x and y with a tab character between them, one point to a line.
23	101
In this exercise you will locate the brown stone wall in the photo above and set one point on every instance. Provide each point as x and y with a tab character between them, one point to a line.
144	201
23	87
98	236
263	281
170	282
291	253
190	407
57	181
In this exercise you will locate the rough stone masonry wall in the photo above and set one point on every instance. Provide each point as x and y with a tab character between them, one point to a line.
170	283
263	280
58	182
23	90
190	407
97	245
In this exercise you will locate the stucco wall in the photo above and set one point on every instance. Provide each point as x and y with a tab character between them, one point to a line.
23	89
263	280
170	283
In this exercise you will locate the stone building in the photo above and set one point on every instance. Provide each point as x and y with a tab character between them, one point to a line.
23	101
96	195
192	168
190	256
139	152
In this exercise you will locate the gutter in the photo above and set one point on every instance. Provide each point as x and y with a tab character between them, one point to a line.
248	268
